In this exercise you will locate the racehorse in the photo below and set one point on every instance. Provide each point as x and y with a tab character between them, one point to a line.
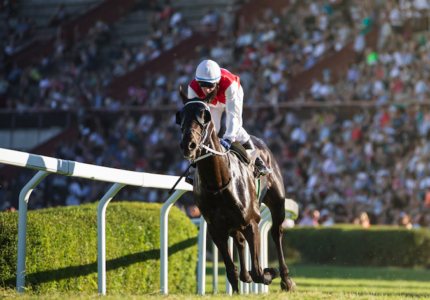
226	194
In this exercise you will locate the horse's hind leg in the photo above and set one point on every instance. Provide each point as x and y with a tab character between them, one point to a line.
221	241
278	216
252	235
240	242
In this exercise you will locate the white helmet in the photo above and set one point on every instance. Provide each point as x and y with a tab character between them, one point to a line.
208	71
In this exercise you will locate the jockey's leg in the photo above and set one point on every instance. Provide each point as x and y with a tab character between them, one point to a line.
263	170
216	113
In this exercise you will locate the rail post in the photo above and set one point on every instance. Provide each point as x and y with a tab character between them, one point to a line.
22	227
201	267
101	235
164	245
215	266
248	267
264	249
264	212
266	216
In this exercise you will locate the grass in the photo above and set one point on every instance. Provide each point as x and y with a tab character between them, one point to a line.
329	279
313	282
62	249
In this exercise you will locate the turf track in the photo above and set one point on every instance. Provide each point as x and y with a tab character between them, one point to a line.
314	282
328	279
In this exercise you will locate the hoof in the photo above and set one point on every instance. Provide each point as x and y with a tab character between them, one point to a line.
270	274
245	277
289	286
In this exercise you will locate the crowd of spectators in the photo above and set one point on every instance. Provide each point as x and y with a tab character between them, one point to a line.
373	163
264	53
77	75
268	51
363	167
397	70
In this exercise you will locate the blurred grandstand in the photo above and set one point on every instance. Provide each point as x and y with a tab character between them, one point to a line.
338	89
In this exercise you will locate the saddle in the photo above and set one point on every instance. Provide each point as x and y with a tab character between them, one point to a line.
240	152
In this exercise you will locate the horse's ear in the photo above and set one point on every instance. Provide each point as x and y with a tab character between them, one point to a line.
178	118
184	97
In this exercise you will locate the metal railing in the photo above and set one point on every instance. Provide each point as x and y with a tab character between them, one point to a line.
47	165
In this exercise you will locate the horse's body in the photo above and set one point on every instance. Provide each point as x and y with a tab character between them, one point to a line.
239	195
225	193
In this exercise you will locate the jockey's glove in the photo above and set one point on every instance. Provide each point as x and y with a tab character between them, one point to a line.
226	143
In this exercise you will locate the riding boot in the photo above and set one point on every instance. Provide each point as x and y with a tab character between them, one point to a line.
259	163
189	180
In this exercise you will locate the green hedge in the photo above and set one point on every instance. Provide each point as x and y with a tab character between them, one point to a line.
62	249
355	246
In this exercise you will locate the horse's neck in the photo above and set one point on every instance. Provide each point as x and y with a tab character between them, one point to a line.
214	170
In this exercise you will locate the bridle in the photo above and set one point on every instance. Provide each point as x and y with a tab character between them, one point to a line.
203	143
202	146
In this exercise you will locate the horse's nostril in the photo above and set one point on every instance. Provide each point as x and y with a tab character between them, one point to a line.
193	145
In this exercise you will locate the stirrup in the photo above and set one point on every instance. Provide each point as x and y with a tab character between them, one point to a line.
258	172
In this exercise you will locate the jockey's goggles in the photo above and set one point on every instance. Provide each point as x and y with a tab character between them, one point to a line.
206	84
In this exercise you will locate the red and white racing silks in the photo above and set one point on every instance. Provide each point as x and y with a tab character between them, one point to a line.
228	86
230	98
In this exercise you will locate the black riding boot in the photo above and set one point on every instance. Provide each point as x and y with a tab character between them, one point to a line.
259	163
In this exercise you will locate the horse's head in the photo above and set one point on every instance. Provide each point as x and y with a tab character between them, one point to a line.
194	119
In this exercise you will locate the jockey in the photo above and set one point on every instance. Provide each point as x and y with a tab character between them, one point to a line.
229	97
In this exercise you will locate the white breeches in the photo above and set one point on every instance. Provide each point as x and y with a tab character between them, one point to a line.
232	126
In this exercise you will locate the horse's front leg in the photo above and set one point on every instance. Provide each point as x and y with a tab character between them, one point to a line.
221	241
240	242
252	235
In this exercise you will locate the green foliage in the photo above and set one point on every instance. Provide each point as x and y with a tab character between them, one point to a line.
355	246
62	249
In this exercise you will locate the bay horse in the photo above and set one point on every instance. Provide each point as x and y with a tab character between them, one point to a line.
226	194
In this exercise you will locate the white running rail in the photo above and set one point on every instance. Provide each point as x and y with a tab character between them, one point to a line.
120	178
